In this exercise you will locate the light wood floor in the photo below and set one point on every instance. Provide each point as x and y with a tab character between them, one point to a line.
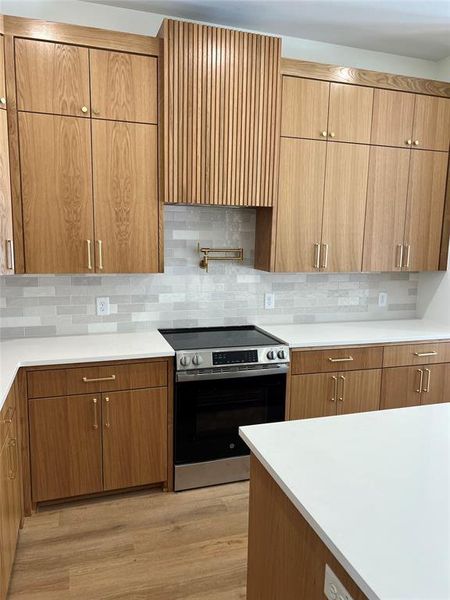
186	546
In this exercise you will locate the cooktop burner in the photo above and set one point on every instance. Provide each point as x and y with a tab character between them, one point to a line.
217	337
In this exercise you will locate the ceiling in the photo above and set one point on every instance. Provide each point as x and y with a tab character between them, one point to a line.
417	28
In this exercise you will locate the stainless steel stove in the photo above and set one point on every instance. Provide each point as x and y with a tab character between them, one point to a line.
225	377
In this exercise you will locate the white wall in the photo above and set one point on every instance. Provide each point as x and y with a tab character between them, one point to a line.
133	21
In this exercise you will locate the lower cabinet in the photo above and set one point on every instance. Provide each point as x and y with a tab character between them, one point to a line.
411	386
326	394
84	444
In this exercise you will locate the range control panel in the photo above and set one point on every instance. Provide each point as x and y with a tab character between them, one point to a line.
207	359
235	357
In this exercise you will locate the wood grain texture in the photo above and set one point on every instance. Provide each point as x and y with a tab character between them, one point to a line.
445	241
140	545
300	204
124	86
350	113
56	180
351	75
436	386
400	387
66	455
52	78
221	115
359	391
265	238
393	115
403	355
344	206
387	190
312	396
6	216
304	108
318	361
134	438
24	435
2	72
81	36
432	123
286	559
425	209
125	165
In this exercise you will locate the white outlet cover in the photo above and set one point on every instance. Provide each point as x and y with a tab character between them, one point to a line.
382	299
103	308
333	588
269	300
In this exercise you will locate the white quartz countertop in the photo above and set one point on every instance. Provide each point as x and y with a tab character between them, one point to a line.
358	332
32	352
375	487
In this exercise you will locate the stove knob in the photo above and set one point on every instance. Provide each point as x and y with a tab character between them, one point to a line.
271	355
185	361
197	360
281	354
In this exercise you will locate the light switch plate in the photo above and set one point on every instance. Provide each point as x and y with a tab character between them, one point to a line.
103	308
269	301
333	588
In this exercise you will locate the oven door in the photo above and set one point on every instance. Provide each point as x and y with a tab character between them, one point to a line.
208	414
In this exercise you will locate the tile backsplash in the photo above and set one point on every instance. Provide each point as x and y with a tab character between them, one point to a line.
187	296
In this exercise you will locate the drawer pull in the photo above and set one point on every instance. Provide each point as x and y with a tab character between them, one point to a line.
419	387
426	387
110	378
422	354
343	359
9	415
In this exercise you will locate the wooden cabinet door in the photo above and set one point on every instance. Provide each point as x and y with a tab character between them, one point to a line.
344	207
124	86
6	223
57	204
52	78
300	204
387	190
436	384
125	197
425	209
5	519
392	121
313	395
304	108
65	446
359	391
2	73
134	438
400	387
350	113
432	123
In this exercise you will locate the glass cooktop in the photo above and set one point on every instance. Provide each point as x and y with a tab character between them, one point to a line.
217	337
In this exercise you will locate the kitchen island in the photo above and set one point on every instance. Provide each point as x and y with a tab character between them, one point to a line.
368	494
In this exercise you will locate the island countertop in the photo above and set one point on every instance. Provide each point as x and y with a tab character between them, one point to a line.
375	487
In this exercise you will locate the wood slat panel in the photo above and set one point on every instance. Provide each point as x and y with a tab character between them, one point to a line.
221	119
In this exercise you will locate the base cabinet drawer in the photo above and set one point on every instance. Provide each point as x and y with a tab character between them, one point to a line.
336	359
327	394
416	354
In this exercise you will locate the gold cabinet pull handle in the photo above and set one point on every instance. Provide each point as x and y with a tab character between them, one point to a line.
94	401
317	256
3	100
84	109
416	142
324	264
339	360
426	387
342	395
422	354
334	394
107	422
419	387
9	255
323	133
408	256
109	378
332	134
12	450
89	255
9	415
399	261
100	254
408	142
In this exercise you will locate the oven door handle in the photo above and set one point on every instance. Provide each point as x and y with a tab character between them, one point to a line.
198	376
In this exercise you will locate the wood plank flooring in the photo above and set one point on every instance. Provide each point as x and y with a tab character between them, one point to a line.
150	545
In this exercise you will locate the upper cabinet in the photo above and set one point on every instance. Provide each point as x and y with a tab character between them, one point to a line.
52	78
431	129
221	115
328	111
124	86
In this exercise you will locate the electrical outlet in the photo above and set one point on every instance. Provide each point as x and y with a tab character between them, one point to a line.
382	299
333	588
103	306
269	301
